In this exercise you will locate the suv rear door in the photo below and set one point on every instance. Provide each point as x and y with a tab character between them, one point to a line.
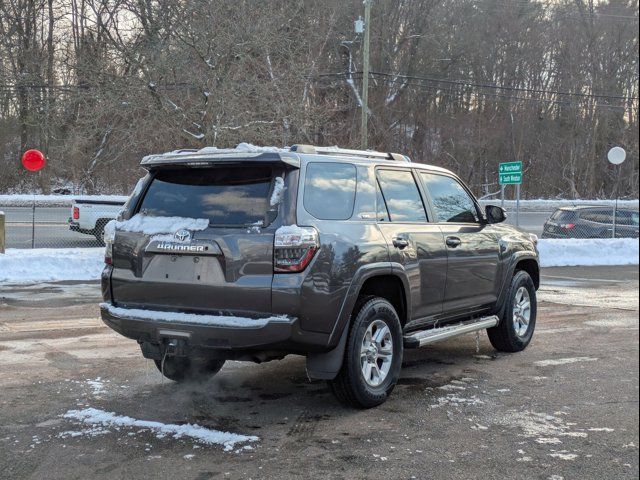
413	242
472	245
226	266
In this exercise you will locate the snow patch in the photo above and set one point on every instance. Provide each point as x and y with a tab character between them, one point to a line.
278	190
544	428
563	455
157	225
564	361
192	318
22	266
240	148
97	386
101	418
587	252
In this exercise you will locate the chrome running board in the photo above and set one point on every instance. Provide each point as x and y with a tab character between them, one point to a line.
425	337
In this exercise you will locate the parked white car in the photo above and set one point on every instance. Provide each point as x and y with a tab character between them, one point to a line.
90	216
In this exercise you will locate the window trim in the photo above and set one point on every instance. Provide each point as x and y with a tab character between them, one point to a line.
355	191
417	183
481	218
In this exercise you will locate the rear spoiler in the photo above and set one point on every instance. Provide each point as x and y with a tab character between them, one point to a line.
190	158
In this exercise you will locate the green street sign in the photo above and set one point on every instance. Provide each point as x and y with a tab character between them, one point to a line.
511	179
510	173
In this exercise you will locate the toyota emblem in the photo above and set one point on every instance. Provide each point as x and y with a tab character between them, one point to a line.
182	235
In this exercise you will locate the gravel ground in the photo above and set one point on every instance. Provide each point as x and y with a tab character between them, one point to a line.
566	408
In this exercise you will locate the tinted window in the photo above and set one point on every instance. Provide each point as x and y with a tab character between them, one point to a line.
604	217
330	190
226	196
451	202
401	196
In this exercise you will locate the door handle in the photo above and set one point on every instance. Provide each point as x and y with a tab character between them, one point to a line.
453	242
400	243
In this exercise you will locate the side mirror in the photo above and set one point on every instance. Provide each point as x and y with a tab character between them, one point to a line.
495	214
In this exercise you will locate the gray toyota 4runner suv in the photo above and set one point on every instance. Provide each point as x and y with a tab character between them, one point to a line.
346	257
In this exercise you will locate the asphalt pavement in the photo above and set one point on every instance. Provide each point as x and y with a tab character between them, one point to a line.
565	408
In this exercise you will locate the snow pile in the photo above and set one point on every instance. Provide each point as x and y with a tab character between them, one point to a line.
192	318
51	265
20	200
95	417
573	252
157	225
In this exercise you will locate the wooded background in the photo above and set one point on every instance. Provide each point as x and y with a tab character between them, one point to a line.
465	84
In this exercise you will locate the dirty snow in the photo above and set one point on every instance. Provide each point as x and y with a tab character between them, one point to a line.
20	266
158	225
572	252
564	361
101	418
193	318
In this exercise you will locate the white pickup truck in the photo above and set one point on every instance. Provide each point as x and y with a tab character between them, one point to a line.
90	215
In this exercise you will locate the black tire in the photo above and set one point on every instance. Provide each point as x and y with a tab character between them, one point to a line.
504	336
98	231
181	369
350	386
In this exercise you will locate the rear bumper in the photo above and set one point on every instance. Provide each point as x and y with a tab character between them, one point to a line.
273	333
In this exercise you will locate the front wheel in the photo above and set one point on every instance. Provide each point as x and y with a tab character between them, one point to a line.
373	355
515	330
180	369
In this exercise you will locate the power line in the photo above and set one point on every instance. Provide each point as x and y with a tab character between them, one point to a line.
467	83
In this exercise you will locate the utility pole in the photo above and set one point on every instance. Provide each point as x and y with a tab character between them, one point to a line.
364	129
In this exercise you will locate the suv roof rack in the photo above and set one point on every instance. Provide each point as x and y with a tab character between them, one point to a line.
313	150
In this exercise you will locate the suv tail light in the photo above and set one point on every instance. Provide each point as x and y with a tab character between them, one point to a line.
76	213
293	248
568	226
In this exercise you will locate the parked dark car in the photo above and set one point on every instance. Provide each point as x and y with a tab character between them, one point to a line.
591	222
346	257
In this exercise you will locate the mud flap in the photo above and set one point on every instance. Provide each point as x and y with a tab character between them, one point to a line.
325	366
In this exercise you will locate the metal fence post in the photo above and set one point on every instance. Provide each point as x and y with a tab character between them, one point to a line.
2	232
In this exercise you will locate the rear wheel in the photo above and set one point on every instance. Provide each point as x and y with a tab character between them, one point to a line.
373	355
180	369
515	330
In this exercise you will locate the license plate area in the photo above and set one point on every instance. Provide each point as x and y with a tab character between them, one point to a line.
191	269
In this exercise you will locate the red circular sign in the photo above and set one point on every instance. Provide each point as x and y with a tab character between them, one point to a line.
33	160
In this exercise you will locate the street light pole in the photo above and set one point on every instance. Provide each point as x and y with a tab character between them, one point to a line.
364	128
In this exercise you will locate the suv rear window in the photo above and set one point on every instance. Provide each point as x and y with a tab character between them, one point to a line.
563	215
226	196
330	190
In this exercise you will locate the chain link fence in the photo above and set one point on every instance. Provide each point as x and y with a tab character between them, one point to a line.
80	224
57	225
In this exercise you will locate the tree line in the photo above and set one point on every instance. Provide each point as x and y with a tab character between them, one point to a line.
464	84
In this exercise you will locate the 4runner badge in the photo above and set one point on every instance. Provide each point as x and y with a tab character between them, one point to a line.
182	235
